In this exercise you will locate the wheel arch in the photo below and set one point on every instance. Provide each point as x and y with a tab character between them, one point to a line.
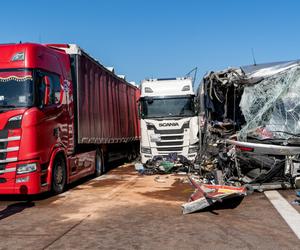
55	153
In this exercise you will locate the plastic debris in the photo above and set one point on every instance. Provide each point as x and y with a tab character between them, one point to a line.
138	167
296	202
159	179
172	163
206	195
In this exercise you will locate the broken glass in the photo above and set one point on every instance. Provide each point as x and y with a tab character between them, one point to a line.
272	107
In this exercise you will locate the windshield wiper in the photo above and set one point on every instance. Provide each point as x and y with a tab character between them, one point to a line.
8	106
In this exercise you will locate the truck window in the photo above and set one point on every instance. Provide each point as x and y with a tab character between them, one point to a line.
54	88
42	91
16	88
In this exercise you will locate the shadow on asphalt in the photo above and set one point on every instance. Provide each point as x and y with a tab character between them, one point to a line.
15	208
226	204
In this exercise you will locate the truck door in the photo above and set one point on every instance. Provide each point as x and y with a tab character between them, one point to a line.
52	128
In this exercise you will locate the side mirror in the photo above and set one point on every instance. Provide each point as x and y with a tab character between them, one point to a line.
139	110
149	100
196	105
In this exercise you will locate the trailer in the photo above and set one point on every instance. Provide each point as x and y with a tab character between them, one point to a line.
63	116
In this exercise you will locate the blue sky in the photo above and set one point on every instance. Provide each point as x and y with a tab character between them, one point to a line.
161	38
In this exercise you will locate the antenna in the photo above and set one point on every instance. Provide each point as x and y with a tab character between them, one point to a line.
253	57
195	74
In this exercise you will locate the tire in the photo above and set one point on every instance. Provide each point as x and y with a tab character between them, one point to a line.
99	164
134	155
59	175
129	156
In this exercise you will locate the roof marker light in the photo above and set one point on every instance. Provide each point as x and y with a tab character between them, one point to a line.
148	90
186	88
20	56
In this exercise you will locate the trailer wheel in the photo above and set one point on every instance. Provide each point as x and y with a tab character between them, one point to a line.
129	156
59	175
134	155
99	164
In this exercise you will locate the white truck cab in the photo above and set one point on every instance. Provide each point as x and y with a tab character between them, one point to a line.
169	123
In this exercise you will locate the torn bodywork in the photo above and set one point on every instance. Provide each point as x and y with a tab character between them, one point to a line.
206	195
250	125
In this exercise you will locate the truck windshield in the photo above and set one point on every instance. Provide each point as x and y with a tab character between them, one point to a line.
167	107
16	88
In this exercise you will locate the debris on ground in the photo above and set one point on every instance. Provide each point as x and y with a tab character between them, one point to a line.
160	180
206	195
296	201
171	163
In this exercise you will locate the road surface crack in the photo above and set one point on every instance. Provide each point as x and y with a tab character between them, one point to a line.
67	231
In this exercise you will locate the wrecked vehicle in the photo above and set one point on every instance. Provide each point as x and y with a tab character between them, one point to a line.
250	125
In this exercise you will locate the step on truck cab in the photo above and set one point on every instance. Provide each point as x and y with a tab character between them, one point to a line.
62	114
169	122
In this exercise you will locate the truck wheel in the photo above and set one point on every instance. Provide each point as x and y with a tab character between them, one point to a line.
59	175
99	164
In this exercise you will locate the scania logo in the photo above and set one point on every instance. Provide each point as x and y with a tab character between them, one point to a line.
166	124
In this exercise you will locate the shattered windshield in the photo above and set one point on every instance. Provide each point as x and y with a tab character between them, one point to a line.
272	107
167	107
16	89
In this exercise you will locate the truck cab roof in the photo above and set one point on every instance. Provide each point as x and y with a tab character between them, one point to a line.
167	87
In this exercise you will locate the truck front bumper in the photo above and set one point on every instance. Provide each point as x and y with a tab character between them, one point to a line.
13	183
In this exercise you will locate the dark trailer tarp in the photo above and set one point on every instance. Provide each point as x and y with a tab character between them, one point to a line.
106	104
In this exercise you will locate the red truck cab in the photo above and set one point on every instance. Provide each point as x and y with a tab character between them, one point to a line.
63	115
36	120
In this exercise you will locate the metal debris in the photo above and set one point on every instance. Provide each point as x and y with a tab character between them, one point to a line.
206	195
173	163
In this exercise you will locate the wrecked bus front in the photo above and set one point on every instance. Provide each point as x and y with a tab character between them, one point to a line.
252	122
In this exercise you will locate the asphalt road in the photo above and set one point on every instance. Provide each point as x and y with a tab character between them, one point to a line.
123	210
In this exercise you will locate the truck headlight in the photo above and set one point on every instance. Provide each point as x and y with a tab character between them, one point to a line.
26	168
14	122
193	150
146	150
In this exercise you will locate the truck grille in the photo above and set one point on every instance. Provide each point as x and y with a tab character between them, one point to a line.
3	134
171	140
172	149
2	180
8	148
169	143
168	132
172	137
2	167
2	156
